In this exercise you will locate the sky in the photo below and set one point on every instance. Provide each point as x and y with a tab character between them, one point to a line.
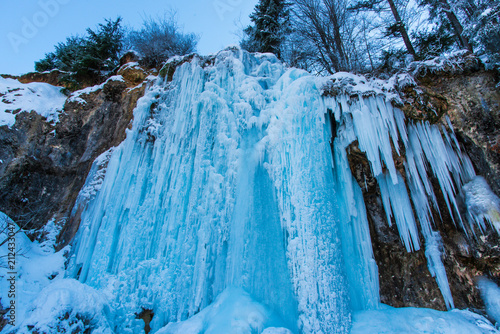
30	28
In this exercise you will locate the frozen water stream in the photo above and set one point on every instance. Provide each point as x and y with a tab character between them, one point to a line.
229	209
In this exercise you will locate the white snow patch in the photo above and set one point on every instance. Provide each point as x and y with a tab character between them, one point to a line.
68	306
76	95
453	60
36	265
44	99
130	65
115	78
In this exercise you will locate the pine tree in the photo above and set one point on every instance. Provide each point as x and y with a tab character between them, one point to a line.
86	59
397	28
443	9
270	25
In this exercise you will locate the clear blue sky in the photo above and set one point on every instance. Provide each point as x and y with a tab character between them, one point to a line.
30	28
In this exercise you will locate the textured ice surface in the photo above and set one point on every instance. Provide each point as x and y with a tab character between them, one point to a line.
225	182
44	99
231	189
355	234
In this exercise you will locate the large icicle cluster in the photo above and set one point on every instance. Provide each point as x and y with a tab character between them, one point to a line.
225	181
365	115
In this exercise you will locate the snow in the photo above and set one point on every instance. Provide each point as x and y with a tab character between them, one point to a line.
67	306
419	321
131	65
486	12
36	266
453	60
46	100
233	312
115	78
76	96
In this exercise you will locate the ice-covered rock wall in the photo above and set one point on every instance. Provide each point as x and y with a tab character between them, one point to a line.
233	189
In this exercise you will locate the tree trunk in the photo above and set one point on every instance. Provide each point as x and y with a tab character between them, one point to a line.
402	29
457	27
332	13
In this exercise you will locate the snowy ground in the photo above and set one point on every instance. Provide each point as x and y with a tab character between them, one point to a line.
51	303
44	99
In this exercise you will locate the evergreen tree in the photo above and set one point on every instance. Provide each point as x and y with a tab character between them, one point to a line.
448	16
270	25
397	28
86	59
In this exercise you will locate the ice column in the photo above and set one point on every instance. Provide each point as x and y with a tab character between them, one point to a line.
225	180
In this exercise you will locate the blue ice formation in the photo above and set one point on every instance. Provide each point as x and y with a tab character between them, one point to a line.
233	189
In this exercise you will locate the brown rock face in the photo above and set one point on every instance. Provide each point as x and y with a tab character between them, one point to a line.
473	100
474	110
45	165
53	77
405	280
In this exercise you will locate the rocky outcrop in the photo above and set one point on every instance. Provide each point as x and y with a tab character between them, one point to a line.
54	77
462	90
44	165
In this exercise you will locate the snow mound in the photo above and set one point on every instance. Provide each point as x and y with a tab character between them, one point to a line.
68	306
15	97
419	321
454	61
35	266
233	312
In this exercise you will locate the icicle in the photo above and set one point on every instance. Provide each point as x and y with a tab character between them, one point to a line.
361	269
436	268
397	204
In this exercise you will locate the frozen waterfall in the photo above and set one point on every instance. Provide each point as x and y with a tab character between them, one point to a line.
233	190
